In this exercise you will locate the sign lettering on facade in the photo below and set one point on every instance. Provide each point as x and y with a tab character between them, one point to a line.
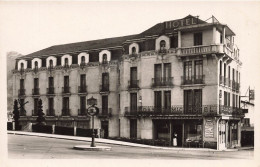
209	128
181	23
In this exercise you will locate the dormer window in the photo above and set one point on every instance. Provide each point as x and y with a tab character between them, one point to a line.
51	63
104	58
162	45
36	65
133	50
66	62
22	66
82	60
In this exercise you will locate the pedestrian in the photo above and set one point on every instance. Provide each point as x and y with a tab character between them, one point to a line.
175	139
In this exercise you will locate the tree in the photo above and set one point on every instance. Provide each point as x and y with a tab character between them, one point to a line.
40	119
16	114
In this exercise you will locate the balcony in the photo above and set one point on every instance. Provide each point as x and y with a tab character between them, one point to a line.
205	49
83	65
50	91
65	112
162	111
36	91
198	79
50	112
66	90
228	110
82	89
162	82
104	88
21	92
133	85
82	112
105	112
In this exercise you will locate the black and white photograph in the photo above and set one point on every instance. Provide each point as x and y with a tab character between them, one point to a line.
171	82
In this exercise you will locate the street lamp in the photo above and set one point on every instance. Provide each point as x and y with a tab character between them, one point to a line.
92	111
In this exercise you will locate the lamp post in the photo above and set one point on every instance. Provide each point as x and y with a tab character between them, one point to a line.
92	111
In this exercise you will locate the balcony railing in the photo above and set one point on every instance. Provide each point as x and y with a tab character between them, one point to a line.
163	81
228	110
21	92
50	112
205	49
104	88
65	112
82	111
36	91
83	64
197	79
50	90
66	89
235	86
82	89
105	112
133	84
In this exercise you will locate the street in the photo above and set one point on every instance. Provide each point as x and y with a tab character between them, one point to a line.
33	147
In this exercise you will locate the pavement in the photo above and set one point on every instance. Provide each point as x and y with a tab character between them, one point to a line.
115	142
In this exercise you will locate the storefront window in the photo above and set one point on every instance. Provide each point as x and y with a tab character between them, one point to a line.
193	131
234	132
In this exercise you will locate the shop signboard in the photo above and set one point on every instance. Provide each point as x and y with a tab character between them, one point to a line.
209	128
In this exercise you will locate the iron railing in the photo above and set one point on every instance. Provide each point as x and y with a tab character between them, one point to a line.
105	112
104	88
21	92
133	84
50	112
162	81
66	89
195	79
36	91
82	89
50	90
65	112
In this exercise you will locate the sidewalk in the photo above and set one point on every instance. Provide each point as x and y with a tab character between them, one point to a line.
108	141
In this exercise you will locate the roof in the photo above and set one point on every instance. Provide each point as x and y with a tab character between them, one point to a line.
157	29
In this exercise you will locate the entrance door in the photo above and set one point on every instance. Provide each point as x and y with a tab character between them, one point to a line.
222	135
177	129
104	126
133	128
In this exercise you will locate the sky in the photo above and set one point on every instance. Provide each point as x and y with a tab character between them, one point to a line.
27	27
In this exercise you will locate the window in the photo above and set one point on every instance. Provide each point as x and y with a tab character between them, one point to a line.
35	111
133	102
105	81
167	70
220	68
82	59
133	50
66	62
66	106
198	71
82	105
66	84
167	100
51	63
51	82
22	66
225	98
133	77
157	73
50	106
36	65
104	58
83	80
104	104
162	45
193	101
157	100
197	39
21	83
188	71
36	83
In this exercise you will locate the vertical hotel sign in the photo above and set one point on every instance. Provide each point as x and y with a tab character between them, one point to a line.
180	23
209	128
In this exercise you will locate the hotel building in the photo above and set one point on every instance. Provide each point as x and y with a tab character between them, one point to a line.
178	78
